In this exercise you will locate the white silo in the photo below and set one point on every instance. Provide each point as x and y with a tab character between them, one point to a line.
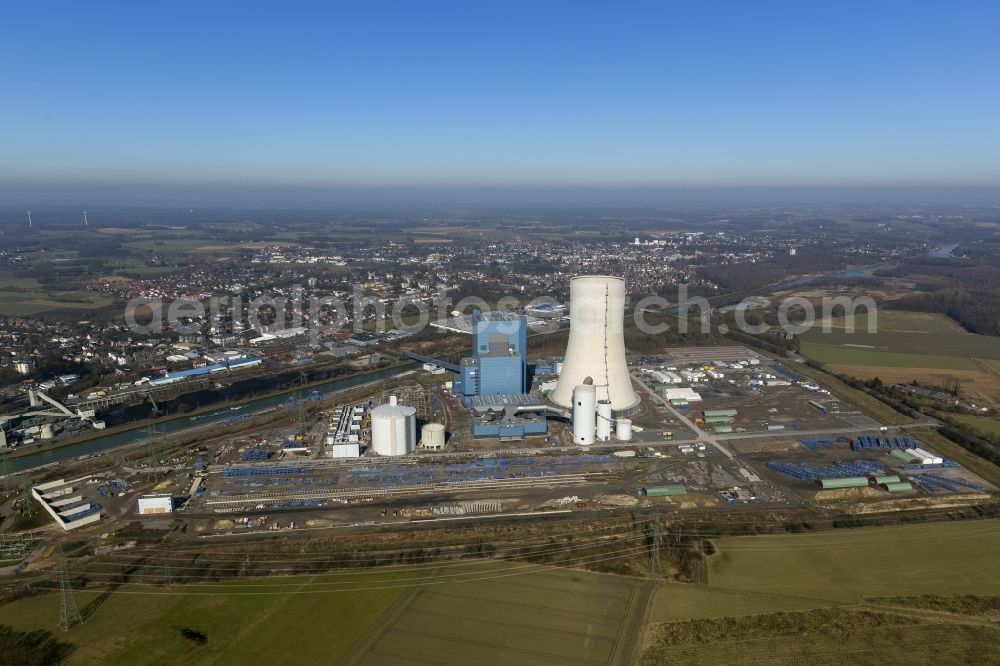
432	436
623	430
394	429
596	345
603	420
584	414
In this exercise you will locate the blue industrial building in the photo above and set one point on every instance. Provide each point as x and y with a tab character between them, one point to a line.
498	365
493	382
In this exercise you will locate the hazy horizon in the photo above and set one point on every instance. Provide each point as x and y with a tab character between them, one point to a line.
332	198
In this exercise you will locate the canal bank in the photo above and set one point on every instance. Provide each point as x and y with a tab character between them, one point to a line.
193	422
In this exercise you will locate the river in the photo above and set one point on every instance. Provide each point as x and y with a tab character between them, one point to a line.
943	251
177	425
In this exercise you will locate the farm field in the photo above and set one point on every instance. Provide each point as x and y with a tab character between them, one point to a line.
850	354
930	349
10	280
796	598
905	333
843	566
795	571
488	613
864	635
513	614
299	620
984	423
20	303
900	321
172	245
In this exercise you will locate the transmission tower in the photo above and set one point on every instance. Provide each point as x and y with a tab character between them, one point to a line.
28	507
4	472
69	612
302	414
656	542
167	573
153	432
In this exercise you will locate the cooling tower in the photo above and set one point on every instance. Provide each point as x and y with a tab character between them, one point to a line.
596	343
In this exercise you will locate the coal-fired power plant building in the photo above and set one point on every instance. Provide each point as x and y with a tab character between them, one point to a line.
596	347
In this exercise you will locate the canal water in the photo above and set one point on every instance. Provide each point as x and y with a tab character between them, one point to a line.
178	425
944	250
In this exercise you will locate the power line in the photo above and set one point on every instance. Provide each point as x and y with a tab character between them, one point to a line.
532	568
69	612
657	542
324	572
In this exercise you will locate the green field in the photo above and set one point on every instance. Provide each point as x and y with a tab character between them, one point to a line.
844	566
990	426
301	620
808	598
794	571
903	340
169	245
835	354
487	612
899	321
21	303
9	280
512	614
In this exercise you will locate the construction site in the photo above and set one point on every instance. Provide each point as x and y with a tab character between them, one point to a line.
500	435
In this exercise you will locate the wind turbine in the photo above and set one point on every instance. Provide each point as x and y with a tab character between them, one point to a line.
29	218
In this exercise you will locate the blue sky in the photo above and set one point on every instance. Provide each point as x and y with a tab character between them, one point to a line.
432	94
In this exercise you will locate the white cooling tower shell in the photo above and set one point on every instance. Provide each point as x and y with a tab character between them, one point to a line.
596	345
394	429
584	414
603	420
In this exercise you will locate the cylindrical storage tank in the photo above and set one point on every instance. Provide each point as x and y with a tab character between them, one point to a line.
596	345
849	482
900	487
901	456
623	430
603	420
394	429
664	491
889	478
432	436
584	414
